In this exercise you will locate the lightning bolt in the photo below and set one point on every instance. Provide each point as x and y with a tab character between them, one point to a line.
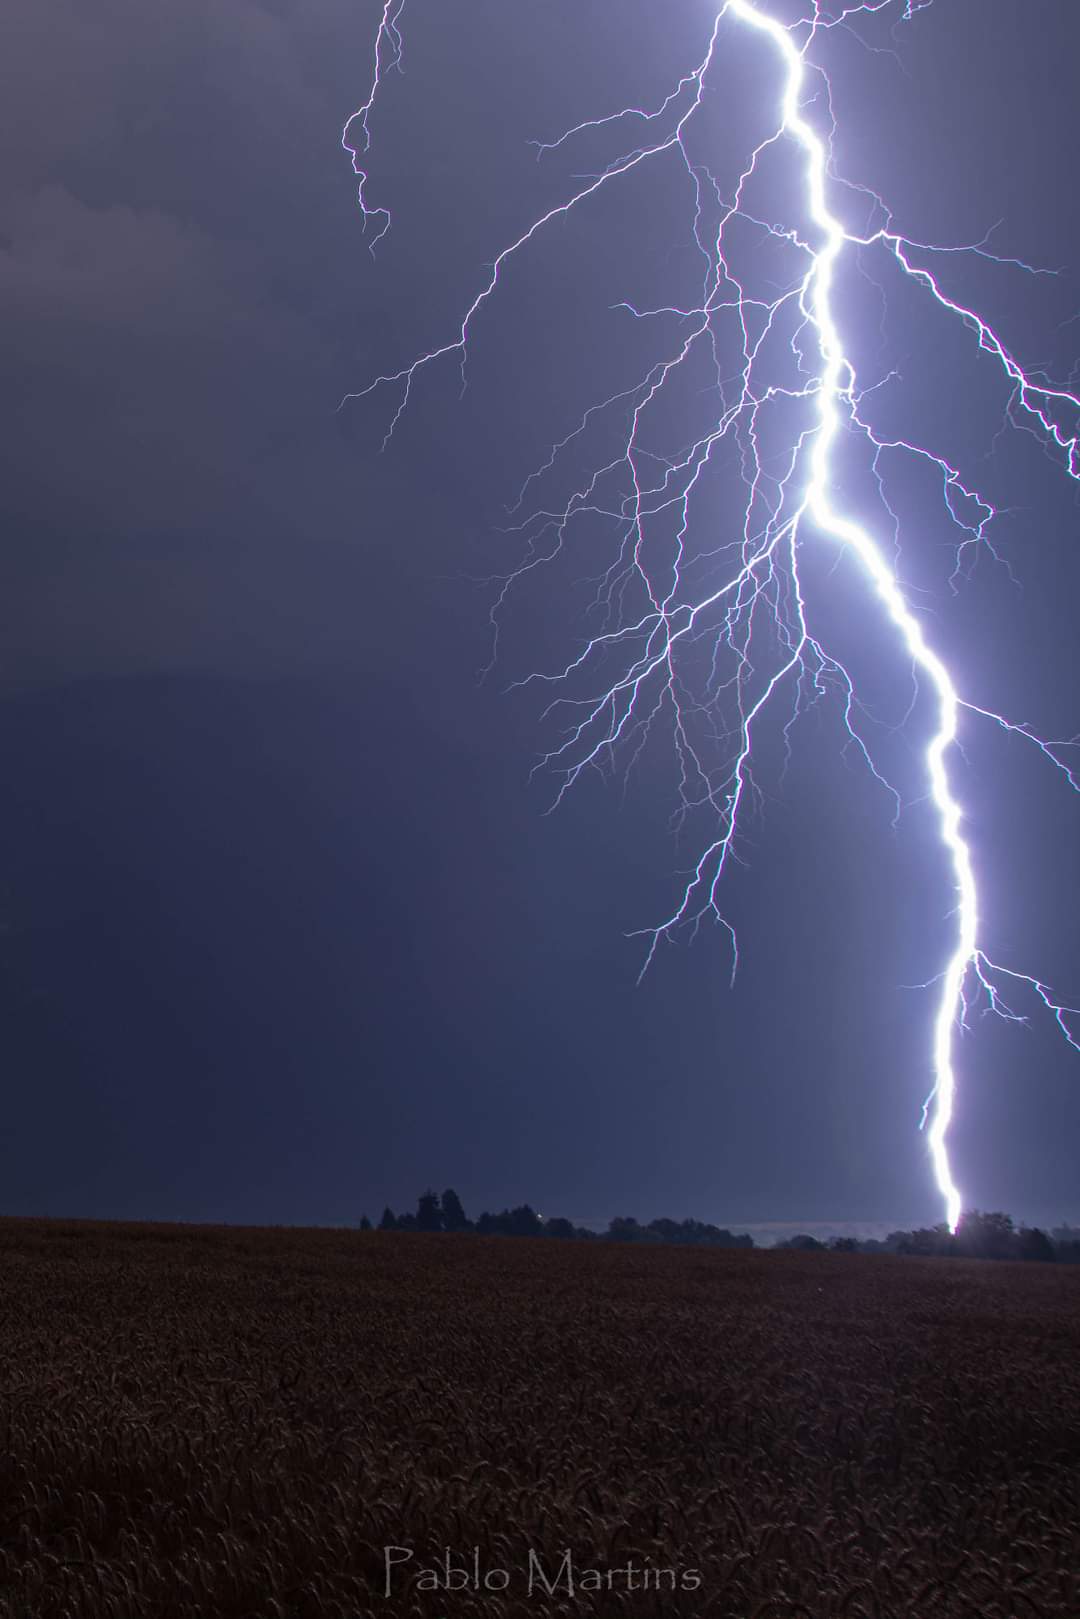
356	135
709	640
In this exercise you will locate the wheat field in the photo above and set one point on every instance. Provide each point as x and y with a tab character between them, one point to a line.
221	1423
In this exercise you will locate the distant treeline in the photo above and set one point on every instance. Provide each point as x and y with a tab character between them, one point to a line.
978	1236
435	1213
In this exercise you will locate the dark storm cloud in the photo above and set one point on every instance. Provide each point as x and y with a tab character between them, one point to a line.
178	276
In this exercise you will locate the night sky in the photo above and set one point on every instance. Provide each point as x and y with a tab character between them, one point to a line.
286	932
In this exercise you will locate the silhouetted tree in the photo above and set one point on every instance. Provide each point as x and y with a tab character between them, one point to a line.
624	1228
559	1227
365	1223
407	1222
1067	1244
428	1213
928	1240
844	1245
802	1243
525	1222
1031	1243
453	1214
388	1221
520	1222
985	1236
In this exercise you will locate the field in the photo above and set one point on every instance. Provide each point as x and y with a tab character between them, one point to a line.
209	1423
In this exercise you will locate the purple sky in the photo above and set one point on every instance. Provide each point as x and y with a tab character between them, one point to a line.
286	932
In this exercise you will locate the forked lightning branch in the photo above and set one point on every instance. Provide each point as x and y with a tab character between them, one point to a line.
708	637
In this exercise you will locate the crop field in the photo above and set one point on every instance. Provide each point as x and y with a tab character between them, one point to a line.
209	1423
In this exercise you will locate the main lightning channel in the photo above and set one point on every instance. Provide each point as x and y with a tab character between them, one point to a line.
836	380
667	621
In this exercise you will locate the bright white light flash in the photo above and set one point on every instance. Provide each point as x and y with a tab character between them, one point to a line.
659	602
837	378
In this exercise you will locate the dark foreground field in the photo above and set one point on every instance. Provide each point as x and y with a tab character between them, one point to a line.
215	1423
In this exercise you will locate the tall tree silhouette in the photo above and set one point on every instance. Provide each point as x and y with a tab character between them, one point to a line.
453	1213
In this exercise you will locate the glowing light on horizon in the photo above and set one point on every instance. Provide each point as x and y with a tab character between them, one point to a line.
669	619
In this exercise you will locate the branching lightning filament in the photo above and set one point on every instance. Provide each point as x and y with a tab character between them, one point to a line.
708	640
